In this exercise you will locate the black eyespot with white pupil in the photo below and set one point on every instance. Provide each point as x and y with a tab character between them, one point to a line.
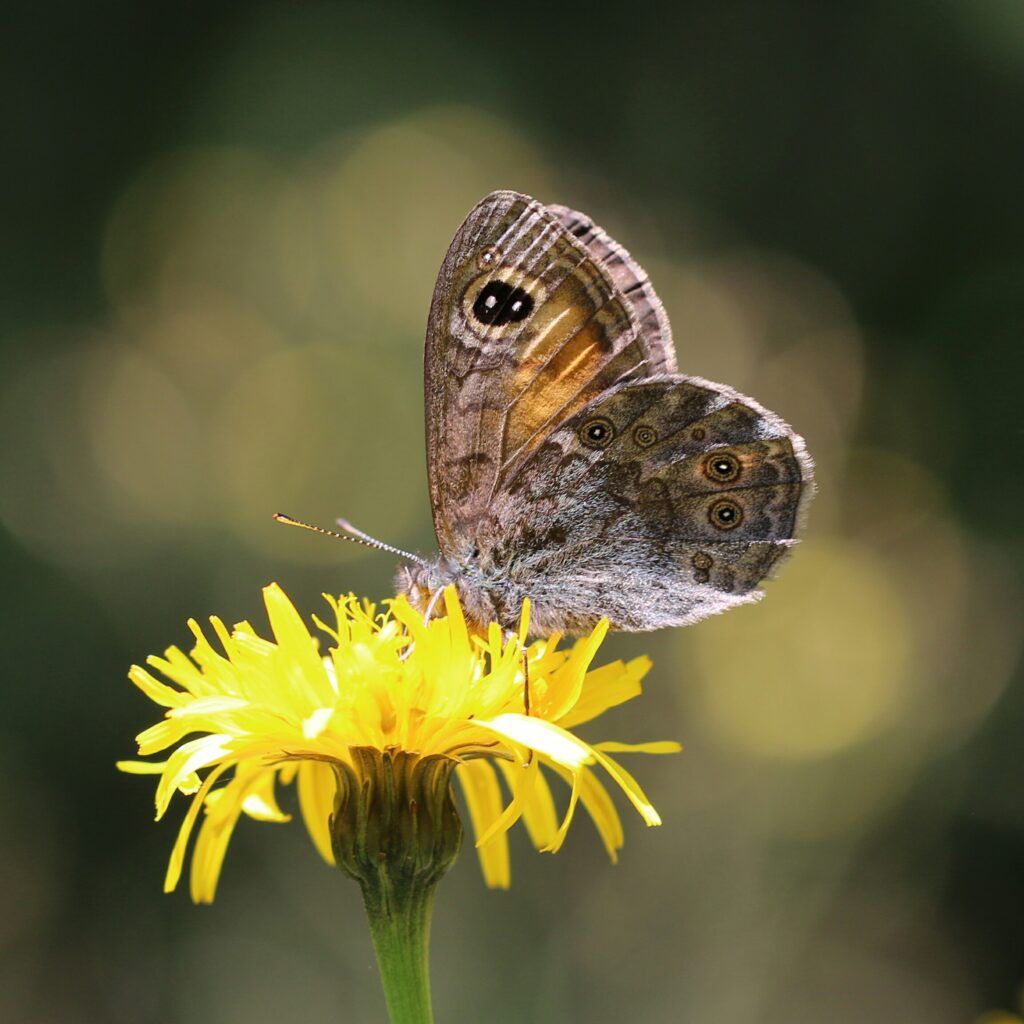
722	467
500	303
725	514
596	433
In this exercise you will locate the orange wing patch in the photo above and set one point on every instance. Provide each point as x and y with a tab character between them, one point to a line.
601	353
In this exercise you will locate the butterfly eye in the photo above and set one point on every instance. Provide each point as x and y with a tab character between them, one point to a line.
725	514
489	258
722	467
644	436
596	433
500	303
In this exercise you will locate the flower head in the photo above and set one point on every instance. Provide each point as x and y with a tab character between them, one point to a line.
278	712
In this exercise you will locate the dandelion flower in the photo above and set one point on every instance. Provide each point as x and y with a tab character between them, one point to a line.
370	735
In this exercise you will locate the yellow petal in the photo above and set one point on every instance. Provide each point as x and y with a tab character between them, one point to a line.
538	809
159	693
630	787
318	787
161	735
599	806
315	723
208	706
569	681
524	623
548	738
188	758
181	843
654	747
456	620
212	842
280	711
604	688
293	636
260	801
188	785
483	800
556	843
141	767
521	785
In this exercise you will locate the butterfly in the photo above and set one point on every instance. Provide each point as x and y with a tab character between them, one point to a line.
569	461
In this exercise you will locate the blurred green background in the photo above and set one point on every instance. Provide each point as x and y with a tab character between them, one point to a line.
221	228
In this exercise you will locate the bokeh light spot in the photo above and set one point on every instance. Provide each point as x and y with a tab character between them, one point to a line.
793	678
419	176
144	437
318	431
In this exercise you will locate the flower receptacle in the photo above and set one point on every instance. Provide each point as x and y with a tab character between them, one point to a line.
395	825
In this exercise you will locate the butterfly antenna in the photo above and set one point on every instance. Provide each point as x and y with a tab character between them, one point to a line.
349	528
353	535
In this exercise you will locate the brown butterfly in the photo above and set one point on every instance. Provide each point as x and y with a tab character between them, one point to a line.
568	461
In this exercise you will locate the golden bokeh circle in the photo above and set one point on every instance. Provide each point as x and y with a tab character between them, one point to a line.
824	663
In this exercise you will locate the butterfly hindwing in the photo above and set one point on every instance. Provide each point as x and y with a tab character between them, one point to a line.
662	502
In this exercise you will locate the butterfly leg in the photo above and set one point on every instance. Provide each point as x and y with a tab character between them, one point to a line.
426	619
526	698
509	637
526	683
431	605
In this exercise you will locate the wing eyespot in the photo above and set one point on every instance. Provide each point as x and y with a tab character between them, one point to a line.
644	435
721	467
500	303
702	563
489	258
597	432
725	514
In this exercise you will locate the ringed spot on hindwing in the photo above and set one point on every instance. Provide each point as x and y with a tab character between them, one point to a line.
702	563
644	435
725	514
721	467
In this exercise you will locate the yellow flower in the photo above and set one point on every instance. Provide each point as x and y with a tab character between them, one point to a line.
270	712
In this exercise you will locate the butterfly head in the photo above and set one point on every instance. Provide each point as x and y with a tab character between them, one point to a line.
422	586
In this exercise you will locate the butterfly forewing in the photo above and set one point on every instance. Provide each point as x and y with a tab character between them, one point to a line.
526	327
631	281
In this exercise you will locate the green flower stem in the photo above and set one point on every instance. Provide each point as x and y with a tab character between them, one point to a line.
400	927
396	831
